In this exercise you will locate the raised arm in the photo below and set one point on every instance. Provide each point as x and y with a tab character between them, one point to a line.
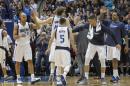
80	28
41	22
34	26
45	22
50	42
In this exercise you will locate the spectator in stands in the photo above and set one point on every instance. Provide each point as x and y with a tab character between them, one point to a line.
41	46
108	4
127	27
124	62
2	10
125	58
34	5
27	10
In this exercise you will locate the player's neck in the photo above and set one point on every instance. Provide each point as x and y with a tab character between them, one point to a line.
63	25
23	23
115	20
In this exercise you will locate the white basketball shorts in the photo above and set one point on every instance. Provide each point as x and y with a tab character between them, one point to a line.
113	52
92	49
22	51
62	58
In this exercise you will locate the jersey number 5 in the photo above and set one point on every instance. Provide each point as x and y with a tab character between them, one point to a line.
62	39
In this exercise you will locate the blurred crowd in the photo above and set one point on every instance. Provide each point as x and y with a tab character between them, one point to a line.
11	8
77	12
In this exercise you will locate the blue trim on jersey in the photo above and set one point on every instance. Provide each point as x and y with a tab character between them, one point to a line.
63	48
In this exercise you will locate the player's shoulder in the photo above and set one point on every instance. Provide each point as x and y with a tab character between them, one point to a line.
52	17
16	25
4	31
122	24
69	29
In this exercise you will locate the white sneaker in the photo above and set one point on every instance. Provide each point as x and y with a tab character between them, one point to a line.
19	81
34	80
59	83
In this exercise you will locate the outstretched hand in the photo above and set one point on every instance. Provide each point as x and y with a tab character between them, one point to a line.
33	14
118	46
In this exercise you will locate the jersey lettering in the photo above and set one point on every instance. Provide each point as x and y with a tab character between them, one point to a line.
62	39
56	25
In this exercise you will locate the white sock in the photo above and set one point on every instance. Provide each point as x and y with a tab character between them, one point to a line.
32	76
52	68
52	71
18	76
86	75
5	76
102	75
58	78
66	70
115	73
65	74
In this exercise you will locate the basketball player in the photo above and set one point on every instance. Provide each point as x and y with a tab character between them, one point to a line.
118	29
96	44
3	48
63	38
60	12
21	35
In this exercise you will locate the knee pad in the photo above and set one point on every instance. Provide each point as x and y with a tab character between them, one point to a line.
103	62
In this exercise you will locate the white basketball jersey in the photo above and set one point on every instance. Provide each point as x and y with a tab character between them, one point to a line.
62	37
55	23
1	41
23	30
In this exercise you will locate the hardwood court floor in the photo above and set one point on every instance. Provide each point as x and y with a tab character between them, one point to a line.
125	81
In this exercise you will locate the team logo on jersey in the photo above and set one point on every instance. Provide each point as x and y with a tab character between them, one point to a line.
24	31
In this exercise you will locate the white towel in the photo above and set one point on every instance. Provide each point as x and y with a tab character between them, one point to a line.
90	34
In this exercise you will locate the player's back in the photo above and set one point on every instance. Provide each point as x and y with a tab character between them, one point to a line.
62	37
